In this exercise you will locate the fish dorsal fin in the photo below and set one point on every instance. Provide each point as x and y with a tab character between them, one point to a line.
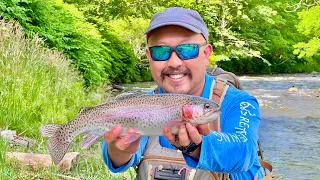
128	95
84	109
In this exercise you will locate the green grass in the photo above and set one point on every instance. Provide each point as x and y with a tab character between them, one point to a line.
40	86
90	165
37	85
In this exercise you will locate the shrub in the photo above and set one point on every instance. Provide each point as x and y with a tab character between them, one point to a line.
63	27
37	85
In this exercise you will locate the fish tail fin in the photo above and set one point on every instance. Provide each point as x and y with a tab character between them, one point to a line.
58	143
48	130
58	146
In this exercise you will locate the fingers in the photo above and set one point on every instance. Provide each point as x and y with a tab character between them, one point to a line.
168	135
128	147
194	134
183	136
186	134
129	139
204	129
113	134
182	139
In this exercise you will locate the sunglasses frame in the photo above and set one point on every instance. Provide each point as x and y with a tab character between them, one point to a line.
173	48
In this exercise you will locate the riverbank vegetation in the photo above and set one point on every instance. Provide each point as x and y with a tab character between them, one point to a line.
57	56
40	86
105	42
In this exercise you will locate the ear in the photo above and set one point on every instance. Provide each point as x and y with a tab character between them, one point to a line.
207	52
148	54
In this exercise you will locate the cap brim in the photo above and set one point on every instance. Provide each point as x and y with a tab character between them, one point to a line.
182	24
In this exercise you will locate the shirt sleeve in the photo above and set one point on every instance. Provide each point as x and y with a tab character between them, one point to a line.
235	148
135	159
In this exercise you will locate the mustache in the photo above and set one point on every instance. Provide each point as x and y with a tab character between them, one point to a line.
178	70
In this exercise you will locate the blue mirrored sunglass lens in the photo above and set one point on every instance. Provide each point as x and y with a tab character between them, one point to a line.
160	53
187	51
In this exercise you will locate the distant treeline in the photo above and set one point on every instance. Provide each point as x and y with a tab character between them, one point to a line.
105	41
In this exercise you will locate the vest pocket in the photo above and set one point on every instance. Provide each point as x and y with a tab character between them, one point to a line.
155	167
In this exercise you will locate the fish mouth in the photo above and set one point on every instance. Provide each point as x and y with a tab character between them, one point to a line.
210	113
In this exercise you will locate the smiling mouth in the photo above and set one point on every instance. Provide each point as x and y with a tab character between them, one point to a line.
176	76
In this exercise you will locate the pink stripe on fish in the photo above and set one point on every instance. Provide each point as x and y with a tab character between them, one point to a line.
133	112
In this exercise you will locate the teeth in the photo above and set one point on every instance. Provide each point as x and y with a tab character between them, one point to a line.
176	76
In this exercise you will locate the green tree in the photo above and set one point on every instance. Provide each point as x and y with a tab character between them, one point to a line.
309	25
64	27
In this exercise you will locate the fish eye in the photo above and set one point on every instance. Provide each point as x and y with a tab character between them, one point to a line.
206	105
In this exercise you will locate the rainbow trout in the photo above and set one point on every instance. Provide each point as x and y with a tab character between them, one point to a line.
147	113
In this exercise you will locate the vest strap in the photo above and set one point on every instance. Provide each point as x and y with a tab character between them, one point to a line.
268	166
218	91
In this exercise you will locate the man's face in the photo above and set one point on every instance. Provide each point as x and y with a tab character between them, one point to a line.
176	75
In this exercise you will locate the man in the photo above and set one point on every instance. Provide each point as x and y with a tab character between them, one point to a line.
178	54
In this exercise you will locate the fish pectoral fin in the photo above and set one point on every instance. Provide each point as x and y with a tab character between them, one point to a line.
90	139
173	124
48	130
132	137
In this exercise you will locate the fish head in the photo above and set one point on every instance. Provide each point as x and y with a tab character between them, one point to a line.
200	111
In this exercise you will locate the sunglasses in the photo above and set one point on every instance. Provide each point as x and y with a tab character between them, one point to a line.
184	51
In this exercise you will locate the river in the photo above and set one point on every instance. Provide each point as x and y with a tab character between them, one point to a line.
290	122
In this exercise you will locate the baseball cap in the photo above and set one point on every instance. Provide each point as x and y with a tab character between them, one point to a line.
186	18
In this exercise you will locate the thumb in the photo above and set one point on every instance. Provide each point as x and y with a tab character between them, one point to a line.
113	134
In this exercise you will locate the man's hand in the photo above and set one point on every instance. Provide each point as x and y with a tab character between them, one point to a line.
121	148
186	134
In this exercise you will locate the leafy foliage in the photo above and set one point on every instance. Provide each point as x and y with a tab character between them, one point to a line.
37	85
65	28
309	26
239	30
132	30
125	62
127	28
93	33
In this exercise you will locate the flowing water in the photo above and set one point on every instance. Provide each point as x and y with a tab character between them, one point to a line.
290	126
290	122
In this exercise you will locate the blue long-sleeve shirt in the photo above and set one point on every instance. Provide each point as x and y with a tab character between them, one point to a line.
233	150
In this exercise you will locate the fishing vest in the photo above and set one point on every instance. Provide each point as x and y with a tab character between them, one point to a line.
164	163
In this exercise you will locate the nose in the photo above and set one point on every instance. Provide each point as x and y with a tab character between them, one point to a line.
174	61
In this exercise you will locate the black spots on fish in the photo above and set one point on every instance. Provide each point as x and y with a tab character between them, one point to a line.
101	129
49	129
85	110
58	145
143	124
121	121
